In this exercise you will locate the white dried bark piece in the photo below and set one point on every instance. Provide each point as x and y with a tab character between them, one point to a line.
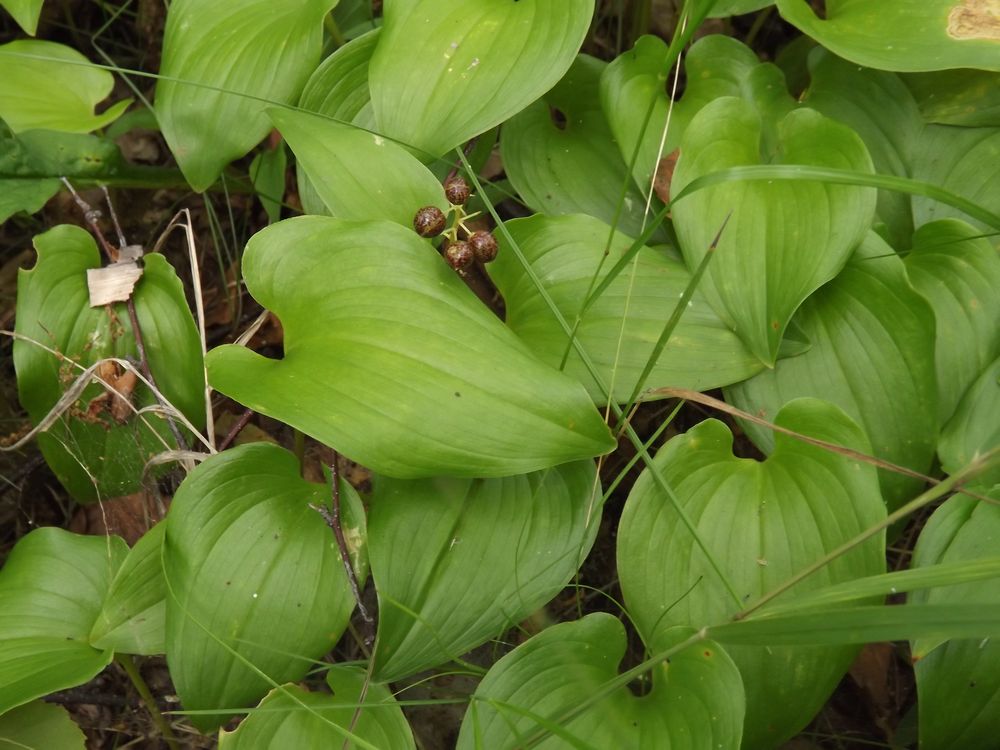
113	283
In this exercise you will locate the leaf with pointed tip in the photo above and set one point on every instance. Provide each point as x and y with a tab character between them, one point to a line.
958	272
25	12
45	85
761	522
565	252
223	65
443	73
255	583
903	35
390	359
696	700
358	175
458	561
783	240
51	590
872	355
357	708
974	428
40	726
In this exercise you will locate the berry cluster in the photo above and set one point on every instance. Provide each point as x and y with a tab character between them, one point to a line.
431	221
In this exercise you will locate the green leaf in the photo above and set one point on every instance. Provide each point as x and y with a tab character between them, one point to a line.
904	35
696	699
458	561
281	721
974	428
879	108
872	355
762	522
561	158
94	455
724	8
51	590
52	86
957	97
25	12
256	590
418	378
131	620
223	65
958	272
358	175
565	252
40	726
965	161
443	73
267	173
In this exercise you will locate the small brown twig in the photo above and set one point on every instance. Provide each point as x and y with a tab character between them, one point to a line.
236	429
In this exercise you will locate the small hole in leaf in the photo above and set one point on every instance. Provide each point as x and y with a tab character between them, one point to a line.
558	117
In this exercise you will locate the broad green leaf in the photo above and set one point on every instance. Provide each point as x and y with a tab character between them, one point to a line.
267	173
280	720
974	428
965	161
872	355
959	682
255	582
223	65
724	8
957	97
458	561
393	361
904	35
443	73
355	18
561	158
92	453
696	699
358	175
783	240
761	522
131	620
565	252
25	12
51	590
882	111
52	86
958	272
40	726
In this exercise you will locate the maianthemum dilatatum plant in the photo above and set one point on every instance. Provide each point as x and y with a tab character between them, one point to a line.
817	238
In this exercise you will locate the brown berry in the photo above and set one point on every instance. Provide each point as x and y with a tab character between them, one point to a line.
484	245
429	221
459	255
456	190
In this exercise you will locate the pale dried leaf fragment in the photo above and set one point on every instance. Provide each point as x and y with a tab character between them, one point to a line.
975	19
116	282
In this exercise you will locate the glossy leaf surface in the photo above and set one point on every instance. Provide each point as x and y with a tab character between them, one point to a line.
872	355
443	73
783	239
223	64
393	361
457	561
25	12
565	252
696	699
761	522
255	583
51	590
40	726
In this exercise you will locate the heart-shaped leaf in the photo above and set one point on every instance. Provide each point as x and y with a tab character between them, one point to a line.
39	725
25	12
761	523
784	239
974	429
52	86
443	73
906	35
561	158
357	709
92	453
356	174
223	64
565	252
255	582
51	590
457	561
393	361
696	700
958	272
872	355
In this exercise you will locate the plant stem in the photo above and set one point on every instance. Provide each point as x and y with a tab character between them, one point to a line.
128	664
